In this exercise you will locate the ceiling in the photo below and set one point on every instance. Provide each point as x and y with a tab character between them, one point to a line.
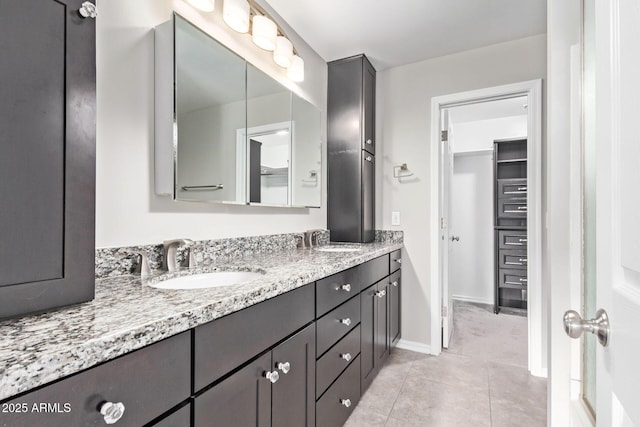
488	110
397	32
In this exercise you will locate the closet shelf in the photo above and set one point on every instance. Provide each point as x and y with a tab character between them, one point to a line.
512	161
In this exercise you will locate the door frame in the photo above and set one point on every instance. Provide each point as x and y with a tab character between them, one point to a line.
533	90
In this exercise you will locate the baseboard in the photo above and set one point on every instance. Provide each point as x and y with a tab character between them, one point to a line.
472	299
540	372
414	346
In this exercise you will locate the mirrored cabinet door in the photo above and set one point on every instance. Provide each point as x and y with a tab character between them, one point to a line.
226	132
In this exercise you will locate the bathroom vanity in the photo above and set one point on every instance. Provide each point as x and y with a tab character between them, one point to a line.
297	346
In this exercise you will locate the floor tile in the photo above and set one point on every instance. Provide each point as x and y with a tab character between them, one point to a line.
362	417
430	403
454	369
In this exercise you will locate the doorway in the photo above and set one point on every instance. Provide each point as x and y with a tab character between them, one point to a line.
511	98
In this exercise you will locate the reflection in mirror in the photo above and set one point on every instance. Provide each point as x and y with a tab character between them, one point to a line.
306	154
210	107
268	137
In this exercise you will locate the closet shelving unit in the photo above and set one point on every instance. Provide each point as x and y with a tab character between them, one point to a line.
510	225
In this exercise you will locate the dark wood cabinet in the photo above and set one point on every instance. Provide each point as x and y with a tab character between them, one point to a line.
510	198
351	149
375	340
293	395
243	399
147	382
47	155
381	316
254	397
395	298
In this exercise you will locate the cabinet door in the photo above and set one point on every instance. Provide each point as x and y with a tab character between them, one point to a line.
47	155
241	400
381	316
293	395
395	293
368	106
368	197
367	340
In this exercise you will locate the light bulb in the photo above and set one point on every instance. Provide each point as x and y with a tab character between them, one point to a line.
264	32
283	52
236	14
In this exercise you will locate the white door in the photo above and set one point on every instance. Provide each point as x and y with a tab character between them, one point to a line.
446	166
614	227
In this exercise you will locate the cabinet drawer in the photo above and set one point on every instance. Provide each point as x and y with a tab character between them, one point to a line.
509	188
373	271
512	239
224	344
180	418
512	258
337	324
149	382
512	208
515	279
336	289
334	361
395	260
338	402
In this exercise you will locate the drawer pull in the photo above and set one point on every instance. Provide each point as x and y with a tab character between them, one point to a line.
522	208
272	376
381	294
522	240
513	283
346	356
399	260
395	283
522	188
513	263
523	260
346	321
345	402
284	367
523	279
112	412
346	287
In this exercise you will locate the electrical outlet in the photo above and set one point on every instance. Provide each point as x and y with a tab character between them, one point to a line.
395	218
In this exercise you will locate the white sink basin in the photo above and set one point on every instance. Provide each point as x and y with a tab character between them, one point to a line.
337	248
207	280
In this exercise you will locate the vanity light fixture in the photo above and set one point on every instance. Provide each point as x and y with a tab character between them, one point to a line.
203	5
242	15
237	15
283	52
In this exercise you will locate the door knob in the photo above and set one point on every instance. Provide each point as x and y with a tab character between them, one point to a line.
574	326
455	238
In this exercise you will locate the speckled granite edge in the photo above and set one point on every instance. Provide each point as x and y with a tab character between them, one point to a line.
127	314
389	236
118	261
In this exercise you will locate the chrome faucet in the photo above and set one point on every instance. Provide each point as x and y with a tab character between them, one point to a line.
170	260
311	237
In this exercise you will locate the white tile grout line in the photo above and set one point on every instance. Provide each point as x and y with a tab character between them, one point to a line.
400	391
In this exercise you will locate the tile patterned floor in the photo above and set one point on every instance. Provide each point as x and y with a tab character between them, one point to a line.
481	380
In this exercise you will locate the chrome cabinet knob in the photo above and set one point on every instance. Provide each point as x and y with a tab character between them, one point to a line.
346	287
346	321
112	412
381	294
369	159
272	376
345	402
284	367
369	141
346	356
574	326
88	10
399	260
395	284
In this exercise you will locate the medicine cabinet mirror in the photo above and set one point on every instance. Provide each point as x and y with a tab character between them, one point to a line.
225	131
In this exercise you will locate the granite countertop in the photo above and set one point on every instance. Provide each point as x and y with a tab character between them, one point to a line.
127	314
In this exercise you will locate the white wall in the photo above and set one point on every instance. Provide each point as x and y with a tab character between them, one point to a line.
403	133
127	211
471	262
479	134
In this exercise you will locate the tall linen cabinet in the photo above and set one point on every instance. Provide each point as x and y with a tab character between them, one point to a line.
351	149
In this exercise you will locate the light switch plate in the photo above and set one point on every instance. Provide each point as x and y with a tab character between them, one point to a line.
395	218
